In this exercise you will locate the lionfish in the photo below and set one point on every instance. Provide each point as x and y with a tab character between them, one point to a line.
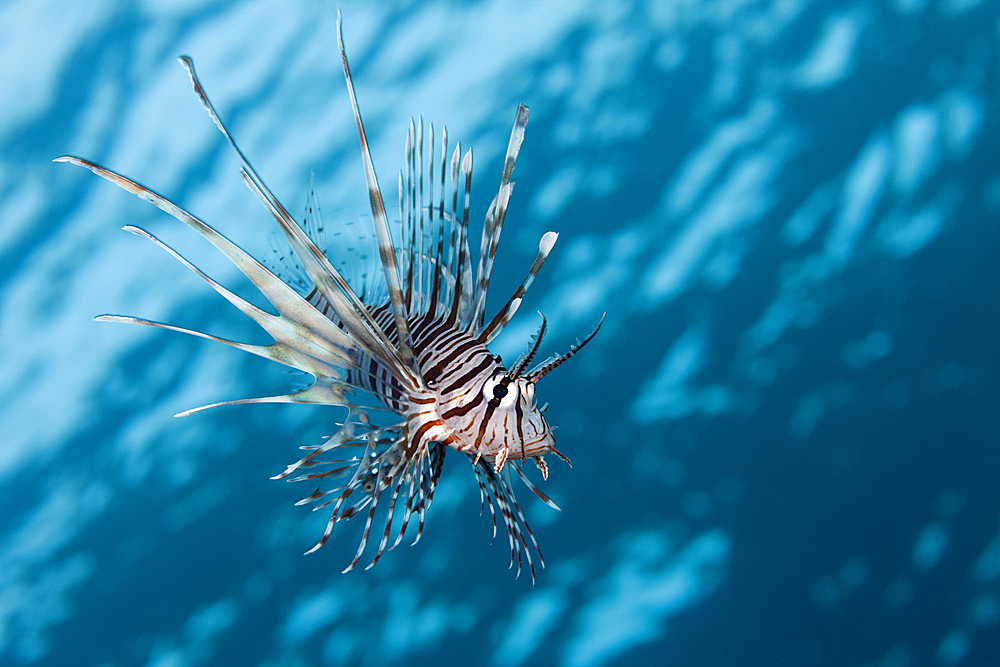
417	347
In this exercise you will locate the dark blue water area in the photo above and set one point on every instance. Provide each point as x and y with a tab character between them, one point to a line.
785	439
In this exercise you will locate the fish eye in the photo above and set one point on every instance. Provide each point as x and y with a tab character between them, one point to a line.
501	394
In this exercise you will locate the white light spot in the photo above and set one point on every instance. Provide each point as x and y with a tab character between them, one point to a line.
930	545
916	138
832	58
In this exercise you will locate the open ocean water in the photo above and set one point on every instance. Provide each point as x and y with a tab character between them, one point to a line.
786	437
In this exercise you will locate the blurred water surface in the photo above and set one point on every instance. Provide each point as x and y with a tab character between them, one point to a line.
786	438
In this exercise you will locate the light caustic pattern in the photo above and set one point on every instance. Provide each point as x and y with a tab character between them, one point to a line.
787	209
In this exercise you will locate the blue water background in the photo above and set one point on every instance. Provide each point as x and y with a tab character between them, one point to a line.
785	439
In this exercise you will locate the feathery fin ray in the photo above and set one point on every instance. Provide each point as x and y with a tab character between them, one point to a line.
386	248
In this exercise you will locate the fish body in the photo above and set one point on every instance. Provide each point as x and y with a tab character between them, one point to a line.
407	354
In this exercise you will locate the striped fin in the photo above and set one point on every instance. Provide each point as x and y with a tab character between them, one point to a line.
538	492
343	437
353	314
463	271
550	365
494	223
453	245
439	267
304	339
507	312
336	290
296	314
406	213
322	392
412	231
419	231
324	360
428	271
495	489
285	264
519	366
444	237
432	255
382	466
386	249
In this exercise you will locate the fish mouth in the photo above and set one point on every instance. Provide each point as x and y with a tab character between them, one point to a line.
539	447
